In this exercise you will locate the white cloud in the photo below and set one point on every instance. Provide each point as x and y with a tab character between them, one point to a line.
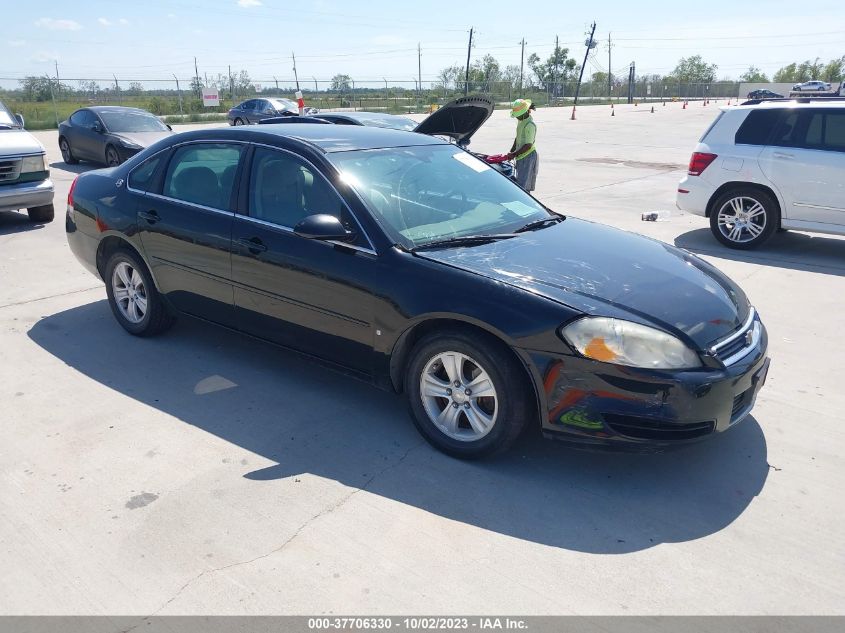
105	21
172	16
42	57
249	3
123	21
58	25
17	43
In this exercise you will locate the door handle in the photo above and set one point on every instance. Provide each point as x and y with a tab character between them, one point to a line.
254	244
150	216
783	155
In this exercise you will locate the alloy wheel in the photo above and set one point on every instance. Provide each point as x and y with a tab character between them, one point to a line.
742	219
112	159
65	150
459	396
130	294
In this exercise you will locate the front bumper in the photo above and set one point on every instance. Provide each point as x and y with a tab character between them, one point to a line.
597	403
26	195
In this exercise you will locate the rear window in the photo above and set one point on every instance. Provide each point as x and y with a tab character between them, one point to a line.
712	125
758	127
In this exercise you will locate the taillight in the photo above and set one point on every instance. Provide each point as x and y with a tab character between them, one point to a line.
699	162
70	198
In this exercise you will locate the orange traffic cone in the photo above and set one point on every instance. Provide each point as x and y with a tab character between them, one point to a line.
652	109
685	106
572	118
613	113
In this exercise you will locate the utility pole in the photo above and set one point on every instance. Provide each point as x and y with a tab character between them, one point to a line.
58	83
609	70
581	76
521	64
419	71
178	90
197	77
231	87
554	72
295	76
316	89
466	74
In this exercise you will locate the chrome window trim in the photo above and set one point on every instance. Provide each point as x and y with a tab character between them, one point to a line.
201	207
752	314
320	174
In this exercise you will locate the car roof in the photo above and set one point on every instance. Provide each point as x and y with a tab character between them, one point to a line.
326	138
116	109
790	103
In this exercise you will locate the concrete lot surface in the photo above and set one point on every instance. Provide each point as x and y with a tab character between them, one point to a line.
202	472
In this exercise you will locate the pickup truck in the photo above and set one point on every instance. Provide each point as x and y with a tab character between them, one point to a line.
24	177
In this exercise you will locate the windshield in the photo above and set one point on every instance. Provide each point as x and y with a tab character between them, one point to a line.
284	104
392	122
428	193
6	118
132	122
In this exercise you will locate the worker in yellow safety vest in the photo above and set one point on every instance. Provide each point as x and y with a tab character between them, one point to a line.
524	150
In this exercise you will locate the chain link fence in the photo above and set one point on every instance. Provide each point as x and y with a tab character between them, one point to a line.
45	101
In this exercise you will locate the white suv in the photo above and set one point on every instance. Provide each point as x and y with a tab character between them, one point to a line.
767	166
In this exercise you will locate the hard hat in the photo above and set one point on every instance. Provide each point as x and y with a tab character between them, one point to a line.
520	107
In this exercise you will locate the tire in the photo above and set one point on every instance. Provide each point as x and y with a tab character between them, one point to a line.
128	279
67	152
42	214
760	218
238	122
481	426
112	157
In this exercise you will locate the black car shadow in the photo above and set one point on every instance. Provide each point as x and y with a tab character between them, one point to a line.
794	251
307	419
79	168
17	222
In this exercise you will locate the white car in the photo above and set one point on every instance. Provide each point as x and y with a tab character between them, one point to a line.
769	166
812	86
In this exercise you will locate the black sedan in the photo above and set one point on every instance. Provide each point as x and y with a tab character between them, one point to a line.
764	94
405	260
256	110
108	134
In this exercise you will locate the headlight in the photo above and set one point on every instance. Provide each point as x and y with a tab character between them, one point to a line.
34	163
129	144
625	343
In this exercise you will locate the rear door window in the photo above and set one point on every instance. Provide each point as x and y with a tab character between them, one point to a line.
834	131
203	174
758	127
789	133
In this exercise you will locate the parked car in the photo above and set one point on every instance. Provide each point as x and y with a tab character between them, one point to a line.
407	261
764	93
255	110
769	166
812	86
108	134
458	120
24	176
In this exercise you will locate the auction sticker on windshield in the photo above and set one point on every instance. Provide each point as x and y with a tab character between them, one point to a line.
469	161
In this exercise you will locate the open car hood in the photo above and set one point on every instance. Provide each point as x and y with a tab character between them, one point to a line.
458	119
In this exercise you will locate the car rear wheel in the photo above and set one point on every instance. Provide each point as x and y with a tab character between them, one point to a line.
744	218
112	157
133	297
67	152
42	214
238	122
466	394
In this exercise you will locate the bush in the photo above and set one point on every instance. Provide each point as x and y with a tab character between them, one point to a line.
157	105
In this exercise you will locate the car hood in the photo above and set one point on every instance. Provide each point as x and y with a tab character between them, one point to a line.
458	119
600	270
144	139
17	141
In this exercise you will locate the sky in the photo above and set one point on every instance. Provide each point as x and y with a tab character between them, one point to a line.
374	40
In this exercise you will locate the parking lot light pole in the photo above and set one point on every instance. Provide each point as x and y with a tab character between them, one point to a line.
179	91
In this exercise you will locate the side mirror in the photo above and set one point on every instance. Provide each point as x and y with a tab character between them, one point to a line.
19	119
97	127
168	127
323	227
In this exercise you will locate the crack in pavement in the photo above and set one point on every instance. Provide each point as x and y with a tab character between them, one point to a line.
298	531
63	294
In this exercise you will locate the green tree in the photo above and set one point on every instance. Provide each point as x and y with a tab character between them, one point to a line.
787	74
834	71
805	71
559	67
754	75
450	76
135	88
36	88
341	83
196	87
694	69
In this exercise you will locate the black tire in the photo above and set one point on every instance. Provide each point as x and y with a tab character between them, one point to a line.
514	407
238	122
156	318
67	152
751	199
42	214
112	156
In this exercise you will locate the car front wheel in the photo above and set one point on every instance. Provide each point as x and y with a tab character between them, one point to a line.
133	297
238	122
466	394
112	157
744	218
